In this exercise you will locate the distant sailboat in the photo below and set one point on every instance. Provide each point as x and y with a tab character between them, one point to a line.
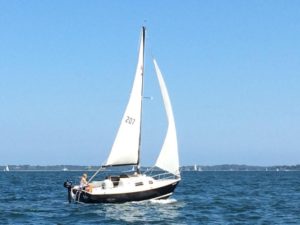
125	151
195	168
6	169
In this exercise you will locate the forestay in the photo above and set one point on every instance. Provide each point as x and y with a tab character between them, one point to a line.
168	158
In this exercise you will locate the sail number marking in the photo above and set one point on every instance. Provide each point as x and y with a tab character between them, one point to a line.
129	120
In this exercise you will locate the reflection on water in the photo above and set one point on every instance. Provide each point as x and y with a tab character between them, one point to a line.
127	212
145	211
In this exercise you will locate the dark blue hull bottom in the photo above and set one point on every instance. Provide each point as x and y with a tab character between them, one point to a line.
162	192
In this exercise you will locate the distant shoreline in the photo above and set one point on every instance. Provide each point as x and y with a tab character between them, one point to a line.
224	167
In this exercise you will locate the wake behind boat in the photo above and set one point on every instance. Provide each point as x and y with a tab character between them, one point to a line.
135	186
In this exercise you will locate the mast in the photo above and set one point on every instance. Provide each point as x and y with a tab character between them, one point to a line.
142	94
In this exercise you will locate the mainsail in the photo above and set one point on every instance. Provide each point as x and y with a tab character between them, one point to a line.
168	158
126	147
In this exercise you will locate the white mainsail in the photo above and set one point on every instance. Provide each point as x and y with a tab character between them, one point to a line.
125	150
168	158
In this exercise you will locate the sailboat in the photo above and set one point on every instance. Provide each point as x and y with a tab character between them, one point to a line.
135	185
195	168
6	169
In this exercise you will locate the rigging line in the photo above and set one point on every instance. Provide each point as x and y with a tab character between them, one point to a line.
92	177
148	47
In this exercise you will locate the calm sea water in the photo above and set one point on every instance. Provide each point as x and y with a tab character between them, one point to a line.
200	198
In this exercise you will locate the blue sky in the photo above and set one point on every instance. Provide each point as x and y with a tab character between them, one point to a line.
232	69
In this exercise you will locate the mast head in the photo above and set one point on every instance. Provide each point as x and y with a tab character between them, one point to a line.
143	33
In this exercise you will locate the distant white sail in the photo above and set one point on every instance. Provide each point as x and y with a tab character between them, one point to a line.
168	158
125	150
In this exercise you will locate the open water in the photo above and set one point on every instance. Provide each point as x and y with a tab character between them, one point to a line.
200	198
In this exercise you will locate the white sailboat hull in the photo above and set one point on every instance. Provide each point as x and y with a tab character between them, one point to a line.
131	188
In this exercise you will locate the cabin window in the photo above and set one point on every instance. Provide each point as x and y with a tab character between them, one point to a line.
150	182
138	183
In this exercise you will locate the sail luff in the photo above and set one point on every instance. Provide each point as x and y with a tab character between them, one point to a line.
126	147
168	158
